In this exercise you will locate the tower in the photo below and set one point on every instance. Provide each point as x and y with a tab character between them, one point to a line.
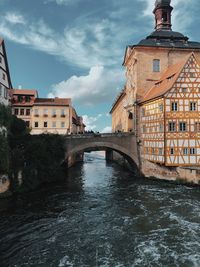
162	13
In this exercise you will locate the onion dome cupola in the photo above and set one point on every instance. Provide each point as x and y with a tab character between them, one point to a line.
162	13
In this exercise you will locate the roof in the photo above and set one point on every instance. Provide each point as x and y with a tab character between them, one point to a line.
166	81
170	39
118	98
23	92
52	101
165	39
6	62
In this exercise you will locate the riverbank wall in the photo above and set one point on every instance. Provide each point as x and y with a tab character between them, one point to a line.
190	175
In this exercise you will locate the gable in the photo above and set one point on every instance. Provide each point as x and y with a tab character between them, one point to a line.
187	83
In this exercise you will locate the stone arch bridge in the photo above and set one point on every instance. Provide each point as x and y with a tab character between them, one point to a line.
123	143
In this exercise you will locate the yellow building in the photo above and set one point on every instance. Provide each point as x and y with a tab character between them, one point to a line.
46	115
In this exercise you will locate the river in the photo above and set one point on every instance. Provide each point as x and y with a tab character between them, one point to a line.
102	216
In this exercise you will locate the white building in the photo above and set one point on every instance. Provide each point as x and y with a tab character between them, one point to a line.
5	81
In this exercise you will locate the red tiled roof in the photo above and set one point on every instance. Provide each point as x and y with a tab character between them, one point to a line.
24	92
52	101
166	81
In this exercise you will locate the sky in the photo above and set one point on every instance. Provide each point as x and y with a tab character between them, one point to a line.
75	48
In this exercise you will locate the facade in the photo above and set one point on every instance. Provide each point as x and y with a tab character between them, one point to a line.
22	102
45	115
5	81
161	99
170	116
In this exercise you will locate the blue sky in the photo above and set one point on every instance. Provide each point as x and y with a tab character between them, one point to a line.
75	48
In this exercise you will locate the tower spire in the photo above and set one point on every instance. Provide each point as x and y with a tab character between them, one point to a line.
162	12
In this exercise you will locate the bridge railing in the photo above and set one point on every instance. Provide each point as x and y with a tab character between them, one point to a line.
89	135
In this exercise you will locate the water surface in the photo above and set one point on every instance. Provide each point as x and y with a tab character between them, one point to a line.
102	216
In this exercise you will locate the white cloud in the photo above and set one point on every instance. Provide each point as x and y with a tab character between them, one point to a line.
107	129
63	2
83	46
99	86
90	122
14	18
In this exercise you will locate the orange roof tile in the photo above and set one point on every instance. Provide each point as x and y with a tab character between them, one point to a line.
166	81
52	101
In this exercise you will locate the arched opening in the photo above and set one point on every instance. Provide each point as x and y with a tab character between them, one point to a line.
112	153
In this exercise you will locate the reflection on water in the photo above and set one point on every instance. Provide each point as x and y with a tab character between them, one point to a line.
102	216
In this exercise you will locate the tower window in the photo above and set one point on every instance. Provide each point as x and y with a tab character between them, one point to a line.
156	65
164	17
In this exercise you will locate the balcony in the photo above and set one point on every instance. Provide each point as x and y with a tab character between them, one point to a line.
54	116
45	115
62	115
36	115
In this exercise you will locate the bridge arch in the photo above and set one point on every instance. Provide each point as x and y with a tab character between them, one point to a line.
102	145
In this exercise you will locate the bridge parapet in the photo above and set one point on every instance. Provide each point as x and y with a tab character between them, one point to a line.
93	135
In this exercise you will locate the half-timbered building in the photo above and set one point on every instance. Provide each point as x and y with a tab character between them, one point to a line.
5	81
170	116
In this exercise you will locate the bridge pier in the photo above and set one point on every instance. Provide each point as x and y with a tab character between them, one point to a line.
74	158
109	155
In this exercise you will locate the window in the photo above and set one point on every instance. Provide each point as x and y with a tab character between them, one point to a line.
172	126
182	126
5	93
164	16
4	76
197	127
193	106
161	107
28	112
171	151
62	113
36	112
143	112
20	98
156	65
185	151
45	112
62	124
184	90
174	106
45	124
22	112
54	124
192	151
161	127
53	113
27	98
27	123
144	129
16	111
36	124
153	151
192	75
160	151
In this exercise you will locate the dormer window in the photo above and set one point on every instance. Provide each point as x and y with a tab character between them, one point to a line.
156	65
